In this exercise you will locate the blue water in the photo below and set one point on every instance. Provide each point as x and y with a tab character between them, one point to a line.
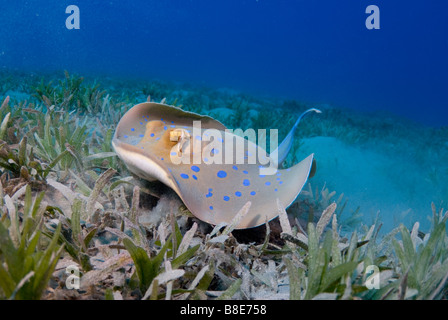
313	51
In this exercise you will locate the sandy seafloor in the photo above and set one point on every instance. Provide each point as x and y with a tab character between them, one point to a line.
387	166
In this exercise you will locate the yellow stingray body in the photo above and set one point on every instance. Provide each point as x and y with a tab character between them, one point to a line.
151	139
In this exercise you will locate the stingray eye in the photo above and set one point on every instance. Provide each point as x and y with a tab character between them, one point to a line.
183	139
178	135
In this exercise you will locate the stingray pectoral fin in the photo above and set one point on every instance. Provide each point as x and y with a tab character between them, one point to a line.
215	194
142	165
149	111
289	183
299	174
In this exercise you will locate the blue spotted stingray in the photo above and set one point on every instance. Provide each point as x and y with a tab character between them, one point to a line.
150	135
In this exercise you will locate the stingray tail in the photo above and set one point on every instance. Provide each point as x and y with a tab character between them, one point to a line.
284	148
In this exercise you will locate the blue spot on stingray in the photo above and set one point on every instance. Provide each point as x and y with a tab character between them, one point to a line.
152	134
278	179
158	138
221	140
194	177
184	176
172	126
245	172
165	127
262	175
211	207
141	122
215	151
280	182
246	182
195	168
238	194
140	135
126	136
209	194
132	129
222	174
226	198
161	159
268	183
161	119
275	190
173	153
279	174
146	120
235	168
253	193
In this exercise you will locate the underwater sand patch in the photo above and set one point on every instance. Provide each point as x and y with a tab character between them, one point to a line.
390	184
